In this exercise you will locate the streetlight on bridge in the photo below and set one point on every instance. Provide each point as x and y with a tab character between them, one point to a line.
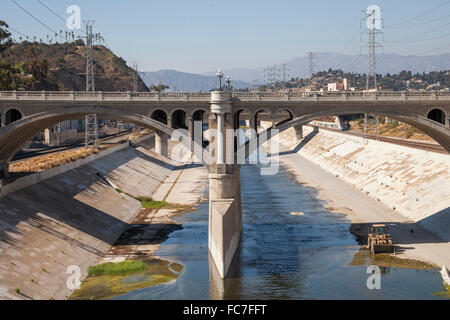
228	81
220	76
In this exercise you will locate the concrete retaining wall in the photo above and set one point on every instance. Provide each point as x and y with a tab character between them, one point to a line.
71	217
50	173
414	182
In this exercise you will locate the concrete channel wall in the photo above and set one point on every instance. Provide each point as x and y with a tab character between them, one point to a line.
70	217
50	173
416	183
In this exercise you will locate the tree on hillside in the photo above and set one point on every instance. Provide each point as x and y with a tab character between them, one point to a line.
159	88
5	36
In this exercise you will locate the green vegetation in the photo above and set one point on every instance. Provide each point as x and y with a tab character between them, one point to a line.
148	203
120	268
34	65
108	286
397	82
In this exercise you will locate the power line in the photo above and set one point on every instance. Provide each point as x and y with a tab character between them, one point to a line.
419	24
421	40
39	21
435	49
420	15
57	15
421	34
20	33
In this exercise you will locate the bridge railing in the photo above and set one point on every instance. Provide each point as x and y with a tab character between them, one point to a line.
343	96
104	96
239	96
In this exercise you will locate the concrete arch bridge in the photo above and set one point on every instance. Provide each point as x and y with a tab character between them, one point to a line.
25	114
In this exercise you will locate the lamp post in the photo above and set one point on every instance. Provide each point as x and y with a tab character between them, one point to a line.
228	81
220	76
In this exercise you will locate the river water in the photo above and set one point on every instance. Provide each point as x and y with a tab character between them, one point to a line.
281	256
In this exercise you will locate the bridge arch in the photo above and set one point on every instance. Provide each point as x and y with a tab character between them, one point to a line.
14	136
435	130
236	117
178	119
437	115
160	116
12	115
197	111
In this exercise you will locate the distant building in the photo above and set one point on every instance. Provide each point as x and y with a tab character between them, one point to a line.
340	85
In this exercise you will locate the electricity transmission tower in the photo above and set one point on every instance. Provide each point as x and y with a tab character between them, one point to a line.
91	130
135	77
285	75
372	24
272	74
310	66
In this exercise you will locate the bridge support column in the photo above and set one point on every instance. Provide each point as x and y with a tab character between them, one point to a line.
225	209
161	143
298	132
447	121
4	171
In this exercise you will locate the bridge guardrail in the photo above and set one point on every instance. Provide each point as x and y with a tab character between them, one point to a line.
241	96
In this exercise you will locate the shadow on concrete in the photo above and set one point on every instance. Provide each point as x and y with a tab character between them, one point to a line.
301	145
54	206
433	229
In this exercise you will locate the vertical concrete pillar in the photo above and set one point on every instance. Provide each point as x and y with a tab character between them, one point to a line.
4	171
225	209
161	143
190	126
447	121
298	132
2	120
47	138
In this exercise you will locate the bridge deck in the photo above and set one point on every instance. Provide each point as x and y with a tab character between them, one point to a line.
239	96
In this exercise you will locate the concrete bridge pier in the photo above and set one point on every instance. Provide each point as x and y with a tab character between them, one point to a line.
225	208
298	132
4	171
161	143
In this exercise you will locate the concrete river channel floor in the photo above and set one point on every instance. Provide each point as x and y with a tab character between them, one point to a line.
292	247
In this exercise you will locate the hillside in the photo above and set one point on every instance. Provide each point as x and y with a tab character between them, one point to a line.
39	66
386	63
181	81
397	82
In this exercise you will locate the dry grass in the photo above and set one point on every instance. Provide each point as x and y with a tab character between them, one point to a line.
396	130
45	162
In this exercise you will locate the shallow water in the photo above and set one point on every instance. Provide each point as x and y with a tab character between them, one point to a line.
281	256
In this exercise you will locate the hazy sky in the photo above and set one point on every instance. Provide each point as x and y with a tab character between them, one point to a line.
199	36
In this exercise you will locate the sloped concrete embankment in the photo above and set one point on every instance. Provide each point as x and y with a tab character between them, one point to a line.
71	219
411	182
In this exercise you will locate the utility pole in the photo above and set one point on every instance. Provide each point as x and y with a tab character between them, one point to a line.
372	24
91	130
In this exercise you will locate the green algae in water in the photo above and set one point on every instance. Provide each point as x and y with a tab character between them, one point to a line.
120	268
109	286
444	294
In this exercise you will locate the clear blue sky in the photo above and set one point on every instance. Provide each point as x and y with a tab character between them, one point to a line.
203	35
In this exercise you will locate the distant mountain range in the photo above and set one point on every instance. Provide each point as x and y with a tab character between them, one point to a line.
182	81
297	67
